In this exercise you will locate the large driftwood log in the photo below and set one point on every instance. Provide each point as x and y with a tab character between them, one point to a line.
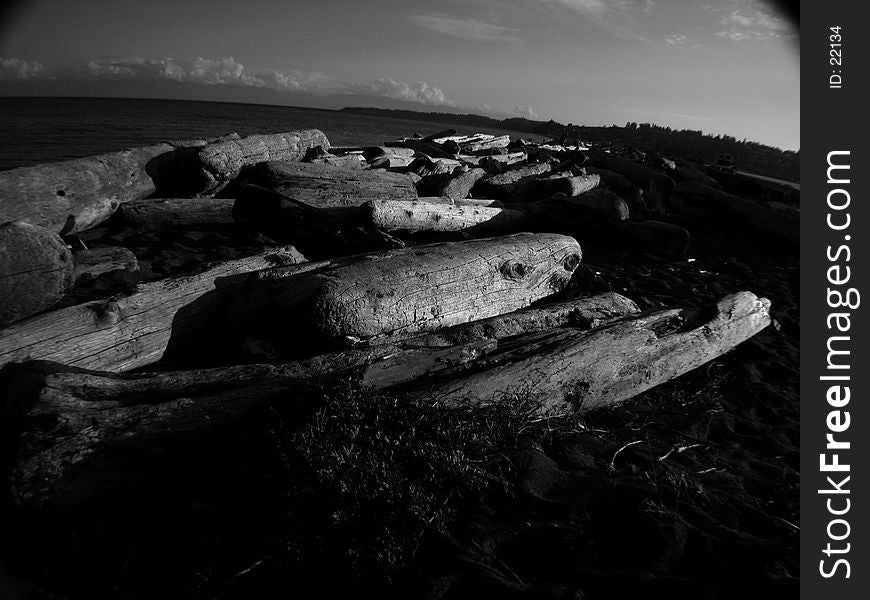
75	195
316	233
221	162
564	370
455	186
73	420
605	202
126	332
177	213
36	270
415	215
657	186
332	189
403	292
501	185
487	143
537	189
771	217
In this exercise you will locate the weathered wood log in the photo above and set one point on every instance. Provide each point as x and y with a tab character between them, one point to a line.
657	186
177	213
316	233
479	145
605	202
391	161
71	421
771	217
101	270
570	371
132	331
438	136
464	202
537	189
373	152
221	162
415	215
403	292
75	195
86	435
349	161
503	184
686	172
338	191
430	149
665	239
36	270
455	185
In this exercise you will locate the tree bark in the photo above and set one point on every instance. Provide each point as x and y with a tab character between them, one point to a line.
571	371
123	333
404	292
337	191
219	163
36	270
416	215
316	233
177	213
75	195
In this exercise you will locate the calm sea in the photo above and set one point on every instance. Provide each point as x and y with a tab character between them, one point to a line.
35	130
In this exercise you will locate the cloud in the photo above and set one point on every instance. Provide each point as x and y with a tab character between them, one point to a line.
420	92
680	39
526	112
618	17
227	71
751	23
18	68
466	29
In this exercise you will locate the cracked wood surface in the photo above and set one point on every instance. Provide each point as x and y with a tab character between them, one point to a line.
403	292
566	370
126	332
418	215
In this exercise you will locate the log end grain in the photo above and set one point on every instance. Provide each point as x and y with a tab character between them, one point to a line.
36	270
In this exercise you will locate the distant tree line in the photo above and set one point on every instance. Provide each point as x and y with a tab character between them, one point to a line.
687	144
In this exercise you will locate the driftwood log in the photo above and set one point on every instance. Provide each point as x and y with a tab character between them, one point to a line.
99	271
177	213
317	234
403	292
605	202
221	162
771	217
456	185
501	185
36	270
657	186
131	331
75	195
416	215
83	432
664	239
563	370
537	189
331	189
485	143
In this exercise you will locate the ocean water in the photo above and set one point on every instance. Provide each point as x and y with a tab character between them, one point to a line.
36	130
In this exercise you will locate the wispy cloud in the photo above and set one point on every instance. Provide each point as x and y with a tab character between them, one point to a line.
681	39
18	68
753	23
226	71
420	92
619	17
526	112
466	29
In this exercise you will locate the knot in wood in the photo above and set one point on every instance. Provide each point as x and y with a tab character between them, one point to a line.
571	262
513	270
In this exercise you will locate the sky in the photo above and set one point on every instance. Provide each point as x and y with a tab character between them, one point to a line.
720	66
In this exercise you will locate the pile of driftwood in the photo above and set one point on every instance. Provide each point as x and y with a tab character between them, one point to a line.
439	267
